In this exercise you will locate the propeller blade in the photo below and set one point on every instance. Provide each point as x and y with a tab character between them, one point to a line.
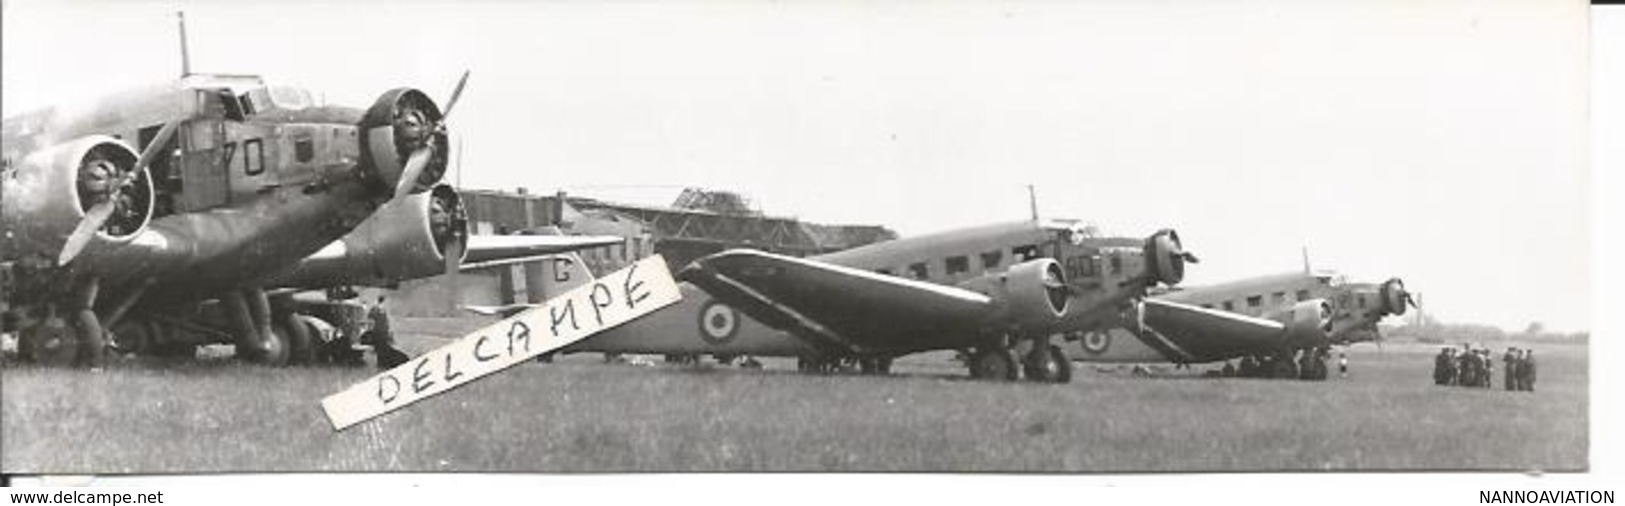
456	93
94	219
414	168
153	148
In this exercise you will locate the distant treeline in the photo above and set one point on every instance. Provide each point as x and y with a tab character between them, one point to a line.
1450	333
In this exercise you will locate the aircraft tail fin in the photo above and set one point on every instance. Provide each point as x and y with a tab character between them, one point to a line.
560	273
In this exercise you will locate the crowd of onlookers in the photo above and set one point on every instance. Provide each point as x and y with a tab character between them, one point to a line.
1470	367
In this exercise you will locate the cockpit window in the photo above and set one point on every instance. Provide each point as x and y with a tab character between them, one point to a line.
289	97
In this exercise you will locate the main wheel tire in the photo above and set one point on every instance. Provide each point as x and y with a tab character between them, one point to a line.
301	342
272	350
1039	366
136	338
1065	373
50	344
995	364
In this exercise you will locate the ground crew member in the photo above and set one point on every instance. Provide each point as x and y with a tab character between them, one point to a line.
382	338
1441	367
1489	369
1343	364
1510	359
1527	368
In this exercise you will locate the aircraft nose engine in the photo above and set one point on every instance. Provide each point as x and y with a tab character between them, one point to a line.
85	191
1395	297
406	141
1167	256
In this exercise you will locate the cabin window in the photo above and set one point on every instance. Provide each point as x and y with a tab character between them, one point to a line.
1278	298
1255	301
253	157
1024	253
1229	305
919	270
1207	306
957	265
883	271
991	259
304	149
1303	295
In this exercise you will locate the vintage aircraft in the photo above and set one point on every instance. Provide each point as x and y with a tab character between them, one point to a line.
1292	318
163	211
998	291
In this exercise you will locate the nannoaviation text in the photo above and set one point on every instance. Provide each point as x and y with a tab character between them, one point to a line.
1545	497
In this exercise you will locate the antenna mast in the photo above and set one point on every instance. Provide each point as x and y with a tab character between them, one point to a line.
1032	201
186	59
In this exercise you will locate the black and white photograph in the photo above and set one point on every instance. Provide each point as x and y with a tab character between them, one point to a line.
1059	238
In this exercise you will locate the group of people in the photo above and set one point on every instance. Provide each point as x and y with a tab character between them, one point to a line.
1475	368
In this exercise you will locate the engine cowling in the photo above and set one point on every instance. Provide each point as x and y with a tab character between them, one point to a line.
406	239
48	194
1033	294
401	121
1394	297
1308	323
1167	257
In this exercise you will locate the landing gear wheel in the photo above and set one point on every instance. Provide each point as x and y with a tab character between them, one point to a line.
1284	369
1040	366
875	366
1064	375
51	344
301	346
272	350
996	364
134	338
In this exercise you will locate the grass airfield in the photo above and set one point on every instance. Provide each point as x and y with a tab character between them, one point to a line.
581	415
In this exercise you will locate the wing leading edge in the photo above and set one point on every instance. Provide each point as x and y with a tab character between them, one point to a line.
1187	333
841	309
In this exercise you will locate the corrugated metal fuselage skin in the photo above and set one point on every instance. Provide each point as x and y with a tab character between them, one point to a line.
252	201
1105	290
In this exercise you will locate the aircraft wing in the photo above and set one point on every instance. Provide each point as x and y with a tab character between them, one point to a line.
841	309
495	250
1196	334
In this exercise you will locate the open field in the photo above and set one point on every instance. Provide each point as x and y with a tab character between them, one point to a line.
581	415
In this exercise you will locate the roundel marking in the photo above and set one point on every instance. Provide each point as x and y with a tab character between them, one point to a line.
1096	343
718	323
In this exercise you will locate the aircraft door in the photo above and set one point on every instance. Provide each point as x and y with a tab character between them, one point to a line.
204	183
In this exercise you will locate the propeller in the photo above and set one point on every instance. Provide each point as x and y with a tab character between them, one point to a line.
415	126
96	217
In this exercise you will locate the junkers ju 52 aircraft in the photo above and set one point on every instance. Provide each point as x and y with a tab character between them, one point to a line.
164	214
1292	318
234	180
996	292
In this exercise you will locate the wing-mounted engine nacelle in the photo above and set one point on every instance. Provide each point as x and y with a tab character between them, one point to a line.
1394	297
401	122
1033	295
1165	256
52	191
408	238
1308	323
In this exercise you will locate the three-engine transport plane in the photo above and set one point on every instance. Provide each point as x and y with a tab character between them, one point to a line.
164	214
1287	322
994	292
160	210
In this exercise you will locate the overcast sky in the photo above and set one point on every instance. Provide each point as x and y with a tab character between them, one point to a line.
1443	142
